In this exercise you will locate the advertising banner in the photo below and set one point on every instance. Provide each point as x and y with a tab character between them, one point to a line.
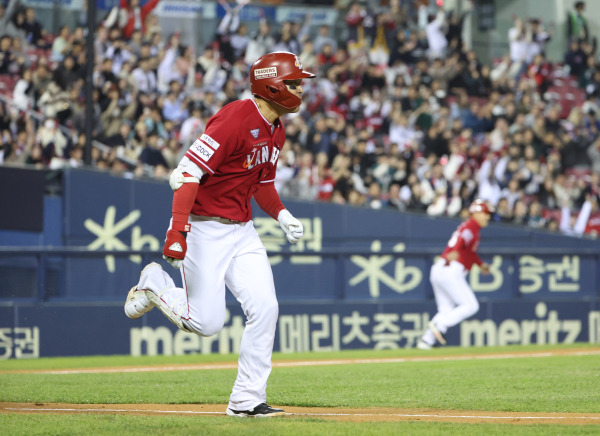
346	253
46	330
186	9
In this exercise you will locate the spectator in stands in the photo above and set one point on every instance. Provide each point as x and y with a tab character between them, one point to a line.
23	93
239	42
54	103
34	32
8	20
518	43
130	16
436	35
151	154
394	129
571	225
439	203
228	28
577	28
192	126
323	37
262	42
176	64
175	107
8	59
172	152
504	213
53	142
520	213
489	188
574	151
285	39
61	44
67	73
374	196
576	59
535	218
116	110
539	39
118	52
143	77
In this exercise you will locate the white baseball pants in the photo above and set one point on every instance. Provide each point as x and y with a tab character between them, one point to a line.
454	297
233	255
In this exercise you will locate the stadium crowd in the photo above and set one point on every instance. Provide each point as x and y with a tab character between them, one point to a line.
402	114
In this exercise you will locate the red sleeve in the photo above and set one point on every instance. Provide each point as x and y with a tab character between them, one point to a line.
268	199
461	244
183	200
218	141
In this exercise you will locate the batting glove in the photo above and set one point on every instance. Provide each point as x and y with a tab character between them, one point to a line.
175	248
291	226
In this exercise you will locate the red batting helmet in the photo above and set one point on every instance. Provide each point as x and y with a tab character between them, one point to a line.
481	206
268	73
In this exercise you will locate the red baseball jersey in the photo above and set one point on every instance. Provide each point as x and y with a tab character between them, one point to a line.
237	152
465	240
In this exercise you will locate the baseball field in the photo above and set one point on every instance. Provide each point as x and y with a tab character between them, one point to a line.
537	390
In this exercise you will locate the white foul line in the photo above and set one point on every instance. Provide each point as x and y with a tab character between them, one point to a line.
403	415
284	364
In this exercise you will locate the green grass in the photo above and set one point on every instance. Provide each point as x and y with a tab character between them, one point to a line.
111	425
543	384
105	361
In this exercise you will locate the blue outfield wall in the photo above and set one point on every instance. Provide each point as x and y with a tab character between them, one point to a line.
358	279
79	329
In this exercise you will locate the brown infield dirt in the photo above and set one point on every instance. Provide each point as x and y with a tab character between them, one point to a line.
331	413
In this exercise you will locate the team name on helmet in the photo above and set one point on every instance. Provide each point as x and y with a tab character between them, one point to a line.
265	73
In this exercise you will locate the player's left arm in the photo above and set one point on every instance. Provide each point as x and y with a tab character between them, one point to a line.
484	267
268	200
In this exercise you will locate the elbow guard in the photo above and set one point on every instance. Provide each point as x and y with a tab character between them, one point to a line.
177	179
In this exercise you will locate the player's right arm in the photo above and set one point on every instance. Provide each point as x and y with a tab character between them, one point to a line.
184	181
203	157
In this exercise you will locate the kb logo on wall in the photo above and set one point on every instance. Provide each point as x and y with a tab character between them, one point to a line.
108	236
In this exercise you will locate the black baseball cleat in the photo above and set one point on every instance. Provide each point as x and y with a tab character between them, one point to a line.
437	333
263	410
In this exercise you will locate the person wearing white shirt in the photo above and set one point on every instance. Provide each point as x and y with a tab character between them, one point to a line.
143	77
571	226
435	36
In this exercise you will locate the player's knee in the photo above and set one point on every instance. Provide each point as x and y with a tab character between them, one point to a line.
472	307
267	311
207	328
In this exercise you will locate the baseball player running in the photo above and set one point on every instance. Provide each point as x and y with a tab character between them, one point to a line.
211	236
454	298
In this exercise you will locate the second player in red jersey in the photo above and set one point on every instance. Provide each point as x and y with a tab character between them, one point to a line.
454	297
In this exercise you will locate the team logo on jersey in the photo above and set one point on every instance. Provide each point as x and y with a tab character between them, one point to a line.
209	141
260	156
265	73
254	133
